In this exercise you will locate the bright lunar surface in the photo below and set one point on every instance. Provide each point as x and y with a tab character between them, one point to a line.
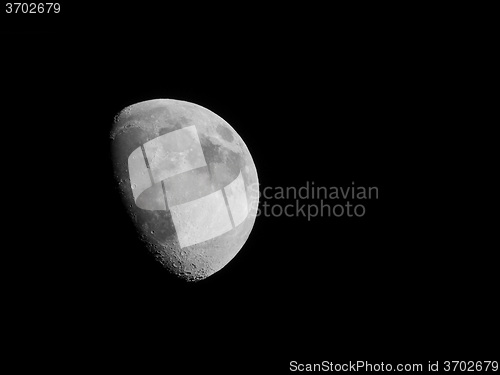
188	182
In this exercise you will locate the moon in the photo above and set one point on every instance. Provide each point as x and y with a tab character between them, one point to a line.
188	183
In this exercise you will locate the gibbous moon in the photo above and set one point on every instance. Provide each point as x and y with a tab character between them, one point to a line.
188	182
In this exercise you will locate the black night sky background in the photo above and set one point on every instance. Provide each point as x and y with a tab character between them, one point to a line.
316	97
